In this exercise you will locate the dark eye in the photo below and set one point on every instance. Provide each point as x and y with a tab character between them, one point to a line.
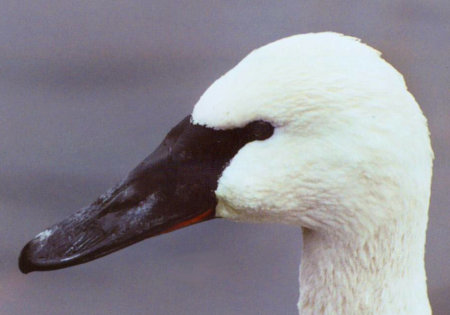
262	129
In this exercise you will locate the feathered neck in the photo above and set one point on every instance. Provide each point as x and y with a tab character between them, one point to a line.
381	275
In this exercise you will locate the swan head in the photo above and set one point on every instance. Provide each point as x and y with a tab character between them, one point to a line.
350	145
313	130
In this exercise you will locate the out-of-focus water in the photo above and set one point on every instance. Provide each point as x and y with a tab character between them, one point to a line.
88	89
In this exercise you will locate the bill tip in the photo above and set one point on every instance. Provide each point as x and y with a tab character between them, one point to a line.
25	264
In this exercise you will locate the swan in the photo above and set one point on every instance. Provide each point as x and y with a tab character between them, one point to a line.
316	131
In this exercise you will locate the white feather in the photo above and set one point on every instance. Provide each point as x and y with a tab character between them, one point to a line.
350	162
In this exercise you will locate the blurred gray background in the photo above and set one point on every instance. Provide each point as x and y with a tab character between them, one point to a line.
89	88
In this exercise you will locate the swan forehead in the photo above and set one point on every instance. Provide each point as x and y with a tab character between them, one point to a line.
281	81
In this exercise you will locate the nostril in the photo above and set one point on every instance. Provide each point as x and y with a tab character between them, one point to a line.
125	199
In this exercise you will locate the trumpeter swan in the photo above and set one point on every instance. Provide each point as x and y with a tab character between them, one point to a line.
314	130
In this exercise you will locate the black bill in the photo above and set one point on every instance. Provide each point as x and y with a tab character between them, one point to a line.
172	188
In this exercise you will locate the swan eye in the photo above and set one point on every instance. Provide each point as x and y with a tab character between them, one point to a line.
261	129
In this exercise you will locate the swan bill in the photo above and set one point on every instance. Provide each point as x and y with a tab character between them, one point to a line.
172	188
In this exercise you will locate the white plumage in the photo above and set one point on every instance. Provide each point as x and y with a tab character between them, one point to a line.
350	163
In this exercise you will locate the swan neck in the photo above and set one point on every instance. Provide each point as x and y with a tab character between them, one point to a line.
379	276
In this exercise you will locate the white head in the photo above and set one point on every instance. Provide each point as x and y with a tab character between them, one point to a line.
350	146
